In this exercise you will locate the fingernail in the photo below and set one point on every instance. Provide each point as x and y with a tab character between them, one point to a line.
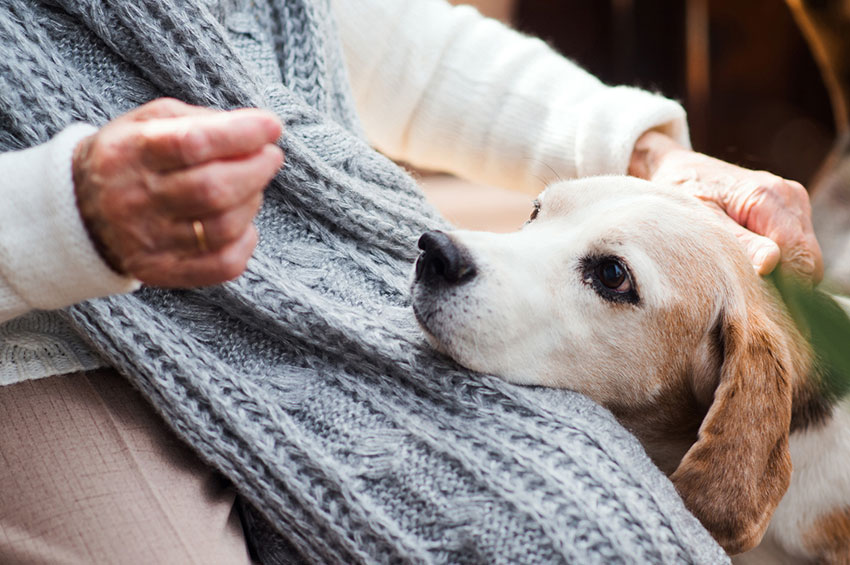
765	260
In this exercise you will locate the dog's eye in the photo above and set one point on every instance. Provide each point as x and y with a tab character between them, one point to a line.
612	275
610	278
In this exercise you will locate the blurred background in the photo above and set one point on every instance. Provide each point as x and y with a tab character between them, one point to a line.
742	70
741	67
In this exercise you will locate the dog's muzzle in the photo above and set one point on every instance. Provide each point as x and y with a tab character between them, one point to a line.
442	260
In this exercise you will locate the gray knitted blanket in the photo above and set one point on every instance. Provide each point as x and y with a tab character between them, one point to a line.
306	381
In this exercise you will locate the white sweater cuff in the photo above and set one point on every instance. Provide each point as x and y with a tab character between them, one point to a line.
47	260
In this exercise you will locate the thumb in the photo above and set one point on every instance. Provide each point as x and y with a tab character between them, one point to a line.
763	252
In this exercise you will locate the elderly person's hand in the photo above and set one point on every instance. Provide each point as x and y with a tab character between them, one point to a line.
770	216
168	192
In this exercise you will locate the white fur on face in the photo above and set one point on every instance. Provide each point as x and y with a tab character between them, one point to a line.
532	314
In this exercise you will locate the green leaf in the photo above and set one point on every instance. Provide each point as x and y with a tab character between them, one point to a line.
827	327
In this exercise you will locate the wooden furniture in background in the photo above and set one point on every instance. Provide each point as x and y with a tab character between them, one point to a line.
826	24
742	70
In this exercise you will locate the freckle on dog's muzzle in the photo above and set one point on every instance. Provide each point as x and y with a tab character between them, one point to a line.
442	260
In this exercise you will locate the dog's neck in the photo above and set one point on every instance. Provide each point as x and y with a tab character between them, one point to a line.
667	429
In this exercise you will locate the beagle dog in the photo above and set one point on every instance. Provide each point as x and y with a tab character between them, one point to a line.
637	297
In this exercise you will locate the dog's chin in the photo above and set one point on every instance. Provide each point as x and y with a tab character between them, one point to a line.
439	338
436	333
445	325
423	325
431	330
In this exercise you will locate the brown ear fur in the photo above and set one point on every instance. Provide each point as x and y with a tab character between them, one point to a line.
734	476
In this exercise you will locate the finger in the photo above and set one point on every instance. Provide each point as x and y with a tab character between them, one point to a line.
175	143
791	228
215	187
818	273
217	232
803	259
174	271
167	108
764	253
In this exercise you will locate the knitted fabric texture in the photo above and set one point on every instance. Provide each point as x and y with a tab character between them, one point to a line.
306	381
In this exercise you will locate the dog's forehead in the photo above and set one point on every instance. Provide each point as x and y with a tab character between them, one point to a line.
567	195
629	208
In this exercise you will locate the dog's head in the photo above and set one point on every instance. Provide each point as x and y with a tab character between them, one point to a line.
637	297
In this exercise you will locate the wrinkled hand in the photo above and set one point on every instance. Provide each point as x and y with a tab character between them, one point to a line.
145	178
770	216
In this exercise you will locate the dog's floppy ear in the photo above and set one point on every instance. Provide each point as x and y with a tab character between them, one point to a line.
734	476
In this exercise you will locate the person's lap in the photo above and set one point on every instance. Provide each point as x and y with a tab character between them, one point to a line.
90	474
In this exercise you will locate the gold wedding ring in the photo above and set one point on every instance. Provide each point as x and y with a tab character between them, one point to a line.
200	236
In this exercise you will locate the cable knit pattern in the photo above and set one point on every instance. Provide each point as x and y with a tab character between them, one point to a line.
306	380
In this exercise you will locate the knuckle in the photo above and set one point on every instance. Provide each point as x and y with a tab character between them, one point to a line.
107	153
768	182
760	195
229	230
797	189
153	145
212	193
779	190
761	190
101	158
165	105
192	145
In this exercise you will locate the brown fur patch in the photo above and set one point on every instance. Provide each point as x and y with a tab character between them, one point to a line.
811	408
829	538
667	428
667	423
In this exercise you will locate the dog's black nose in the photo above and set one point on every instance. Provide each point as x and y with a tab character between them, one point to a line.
442	258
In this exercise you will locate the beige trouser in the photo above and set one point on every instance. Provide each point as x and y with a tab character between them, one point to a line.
90	474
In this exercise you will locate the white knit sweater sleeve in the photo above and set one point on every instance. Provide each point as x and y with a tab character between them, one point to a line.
443	87
47	260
